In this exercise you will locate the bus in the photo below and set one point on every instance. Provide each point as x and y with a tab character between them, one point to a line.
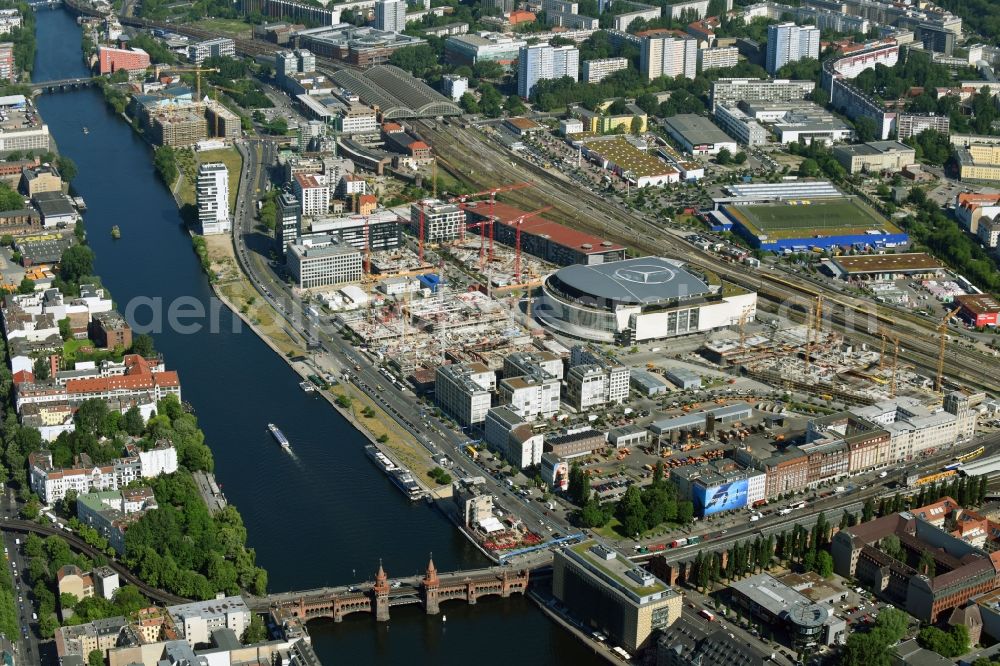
971	455
471	452
707	614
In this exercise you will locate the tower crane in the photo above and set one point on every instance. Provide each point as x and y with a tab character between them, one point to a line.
197	75
517	239
463	201
942	330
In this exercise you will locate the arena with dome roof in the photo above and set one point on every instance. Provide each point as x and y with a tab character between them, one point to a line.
634	300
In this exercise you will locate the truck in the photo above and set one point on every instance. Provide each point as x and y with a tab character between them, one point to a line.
707	614
679	543
693	540
784	512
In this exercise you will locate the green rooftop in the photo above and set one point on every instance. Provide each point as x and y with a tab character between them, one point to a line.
617	568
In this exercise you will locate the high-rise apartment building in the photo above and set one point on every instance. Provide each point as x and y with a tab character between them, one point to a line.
542	62
390	15
213	199
668	56
441	221
219	47
289	221
788	43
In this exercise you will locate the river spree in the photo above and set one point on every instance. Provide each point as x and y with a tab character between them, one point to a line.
322	516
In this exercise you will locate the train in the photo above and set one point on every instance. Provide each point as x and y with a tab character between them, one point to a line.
955	466
971	455
934	477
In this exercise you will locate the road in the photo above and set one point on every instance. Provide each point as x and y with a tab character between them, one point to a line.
27	644
332	354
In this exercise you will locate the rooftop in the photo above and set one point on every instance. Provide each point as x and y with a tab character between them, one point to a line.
635	582
640	281
781	600
979	303
875	148
878	263
696	129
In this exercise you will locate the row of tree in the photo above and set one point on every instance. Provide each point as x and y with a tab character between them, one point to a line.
638	511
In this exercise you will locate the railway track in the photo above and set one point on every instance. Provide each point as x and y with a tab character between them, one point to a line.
582	209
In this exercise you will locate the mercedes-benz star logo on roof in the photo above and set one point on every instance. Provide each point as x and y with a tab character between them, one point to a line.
645	274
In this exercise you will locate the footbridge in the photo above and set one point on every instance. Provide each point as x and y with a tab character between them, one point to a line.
429	590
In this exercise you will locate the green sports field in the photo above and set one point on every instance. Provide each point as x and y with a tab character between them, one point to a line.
840	217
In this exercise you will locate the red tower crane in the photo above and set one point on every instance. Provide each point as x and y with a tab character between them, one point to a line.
517	238
462	200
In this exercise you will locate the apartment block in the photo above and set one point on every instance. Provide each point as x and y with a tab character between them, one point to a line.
196	621
110	60
440	221
912	124
718	58
465	390
595	71
532	395
543	62
111	512
212	190
288	225
788	43
313	193
732	91
220	47
668	56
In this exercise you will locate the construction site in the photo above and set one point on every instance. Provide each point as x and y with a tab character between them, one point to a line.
446	325
808	359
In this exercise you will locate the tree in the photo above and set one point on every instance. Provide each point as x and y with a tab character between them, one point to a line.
76	262
740	158
67	168
579	485
865	129
593	515
868	511
809	168
65	329
132	422
142	345
724	157
636	125
26	287
41	368
9	199
685	512
256	632
632	512
514	105
824	564
894	623
418	60
469	103
866	650
95	658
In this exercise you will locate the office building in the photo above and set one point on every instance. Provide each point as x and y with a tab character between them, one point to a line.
960	572
740	126
390	15
322	261
8	68
483	46
595	71
613	595
196	621
668	56
718	58
109	330
808	624
212	190
979	161
465	390
532	395
787	43
513	437
378	230
542	62
110	60
915	428
437	220
220	47
288	223
312	192
875	156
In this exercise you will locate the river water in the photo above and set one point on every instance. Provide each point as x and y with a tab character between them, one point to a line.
323	516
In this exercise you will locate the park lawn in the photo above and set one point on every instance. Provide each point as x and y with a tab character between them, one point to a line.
228	27
234	164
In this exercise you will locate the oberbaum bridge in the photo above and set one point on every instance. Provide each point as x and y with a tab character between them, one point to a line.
429	591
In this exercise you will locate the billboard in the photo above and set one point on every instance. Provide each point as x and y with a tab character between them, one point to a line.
709	500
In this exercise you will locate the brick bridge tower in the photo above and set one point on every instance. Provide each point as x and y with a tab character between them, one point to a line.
381	593
431	583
